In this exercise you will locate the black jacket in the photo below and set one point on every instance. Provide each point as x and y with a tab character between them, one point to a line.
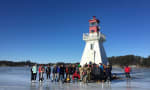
62	70
48	70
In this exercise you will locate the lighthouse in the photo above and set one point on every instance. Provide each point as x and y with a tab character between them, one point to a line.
94	51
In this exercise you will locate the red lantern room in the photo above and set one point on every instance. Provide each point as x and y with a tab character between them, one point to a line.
94	25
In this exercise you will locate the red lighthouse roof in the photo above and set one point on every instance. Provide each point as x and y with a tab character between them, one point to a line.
94	25
94	19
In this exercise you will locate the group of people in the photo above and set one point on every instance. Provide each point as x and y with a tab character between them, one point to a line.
73	73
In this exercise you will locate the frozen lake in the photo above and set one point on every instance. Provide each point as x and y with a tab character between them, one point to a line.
18	78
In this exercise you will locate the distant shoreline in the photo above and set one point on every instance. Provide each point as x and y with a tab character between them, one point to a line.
114	66
115	61
29	64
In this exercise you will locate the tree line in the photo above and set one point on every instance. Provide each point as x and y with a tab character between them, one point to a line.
114	60
12	63
130	60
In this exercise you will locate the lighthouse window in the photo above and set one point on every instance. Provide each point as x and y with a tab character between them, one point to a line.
92	31
93	24
92	46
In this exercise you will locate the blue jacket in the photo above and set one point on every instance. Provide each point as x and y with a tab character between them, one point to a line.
101	67
58	69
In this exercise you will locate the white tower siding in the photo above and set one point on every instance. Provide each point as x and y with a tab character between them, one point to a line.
94	51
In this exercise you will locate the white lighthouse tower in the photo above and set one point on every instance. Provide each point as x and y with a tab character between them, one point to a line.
94	51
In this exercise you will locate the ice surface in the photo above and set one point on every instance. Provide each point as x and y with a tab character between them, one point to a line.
18	78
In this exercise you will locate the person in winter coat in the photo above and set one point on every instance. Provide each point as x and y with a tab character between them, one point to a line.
81	71
76	75
127	70
40	73
48	71
102	73
97	74
34	71
31	73
93	68
67	72
58	73
108	72
89	72
70	70
62	71
54	73
84	74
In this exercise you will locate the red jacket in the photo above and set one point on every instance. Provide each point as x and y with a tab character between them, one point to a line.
40	69
127	69
76	75
67	71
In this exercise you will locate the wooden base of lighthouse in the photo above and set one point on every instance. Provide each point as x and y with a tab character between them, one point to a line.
94	51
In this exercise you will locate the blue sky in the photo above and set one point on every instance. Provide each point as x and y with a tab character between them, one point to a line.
51	30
